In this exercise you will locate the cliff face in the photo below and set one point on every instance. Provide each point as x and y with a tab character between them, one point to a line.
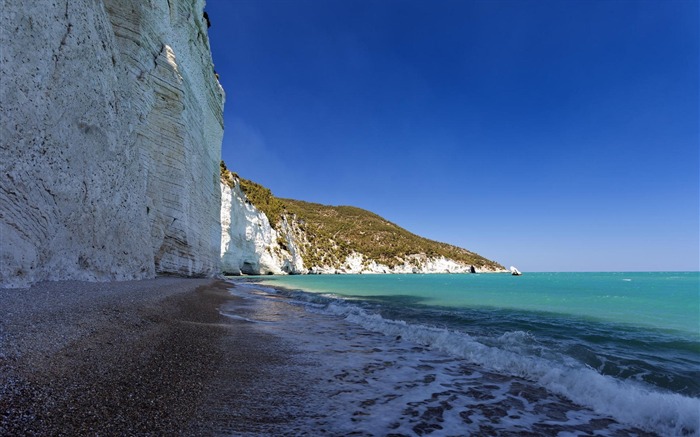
110	140
249	245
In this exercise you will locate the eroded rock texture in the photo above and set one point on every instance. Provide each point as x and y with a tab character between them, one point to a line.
249	244
110	139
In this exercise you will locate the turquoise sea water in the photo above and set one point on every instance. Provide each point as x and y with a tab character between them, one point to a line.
624	343
665	301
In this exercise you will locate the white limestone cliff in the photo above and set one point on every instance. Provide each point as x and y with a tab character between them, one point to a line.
110	140
249	245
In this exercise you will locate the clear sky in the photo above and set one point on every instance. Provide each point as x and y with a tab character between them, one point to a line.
549	135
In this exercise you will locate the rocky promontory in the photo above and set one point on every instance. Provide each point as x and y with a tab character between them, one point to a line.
263	234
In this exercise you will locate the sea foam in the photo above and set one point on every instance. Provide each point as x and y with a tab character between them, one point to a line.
518	354
627	401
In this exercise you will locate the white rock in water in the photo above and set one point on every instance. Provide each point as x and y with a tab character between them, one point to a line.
110	141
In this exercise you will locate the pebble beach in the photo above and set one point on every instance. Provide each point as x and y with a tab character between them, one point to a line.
150	357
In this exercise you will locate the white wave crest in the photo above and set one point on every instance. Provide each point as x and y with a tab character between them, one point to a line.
627	401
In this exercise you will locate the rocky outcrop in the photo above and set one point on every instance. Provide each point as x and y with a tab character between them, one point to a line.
110	140
249	245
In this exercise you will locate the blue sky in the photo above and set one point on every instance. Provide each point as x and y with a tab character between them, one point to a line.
550	135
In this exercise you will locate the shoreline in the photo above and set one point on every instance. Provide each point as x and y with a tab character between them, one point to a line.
175	356
487	401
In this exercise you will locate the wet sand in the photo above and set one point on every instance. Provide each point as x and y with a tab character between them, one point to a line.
148	357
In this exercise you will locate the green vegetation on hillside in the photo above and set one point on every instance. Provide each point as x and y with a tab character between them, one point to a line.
258	195
334	232
356	229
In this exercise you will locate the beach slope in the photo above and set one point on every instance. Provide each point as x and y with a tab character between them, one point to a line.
121	358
